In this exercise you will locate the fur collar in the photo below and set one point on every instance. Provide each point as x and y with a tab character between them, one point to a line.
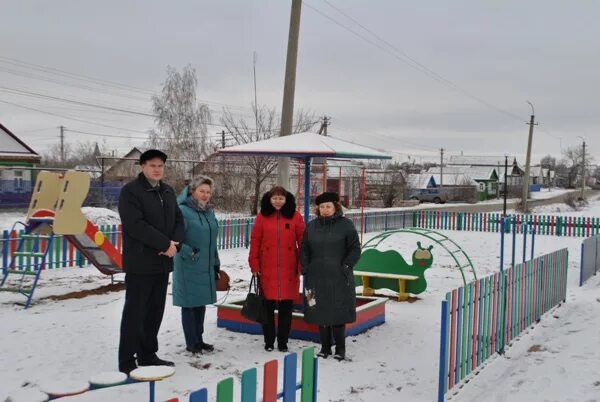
288	209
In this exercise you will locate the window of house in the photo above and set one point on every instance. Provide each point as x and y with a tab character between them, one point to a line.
18	173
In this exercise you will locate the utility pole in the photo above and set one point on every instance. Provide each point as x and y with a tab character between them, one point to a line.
505	185
323	131
255	98
287	112
62	144
223	157
528	159
441	167
582	170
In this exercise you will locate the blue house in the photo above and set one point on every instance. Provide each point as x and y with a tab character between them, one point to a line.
16	175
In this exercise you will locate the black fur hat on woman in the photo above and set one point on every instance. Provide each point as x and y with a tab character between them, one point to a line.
288	209
327	196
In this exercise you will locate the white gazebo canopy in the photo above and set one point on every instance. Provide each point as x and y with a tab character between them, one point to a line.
306	146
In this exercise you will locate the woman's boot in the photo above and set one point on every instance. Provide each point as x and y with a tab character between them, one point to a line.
325	335
339	334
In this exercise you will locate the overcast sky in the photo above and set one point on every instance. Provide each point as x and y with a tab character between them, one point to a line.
452	74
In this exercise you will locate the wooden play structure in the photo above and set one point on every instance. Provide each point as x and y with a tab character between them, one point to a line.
55	209
388	269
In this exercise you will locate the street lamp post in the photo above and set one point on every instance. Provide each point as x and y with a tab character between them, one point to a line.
582	168
528	159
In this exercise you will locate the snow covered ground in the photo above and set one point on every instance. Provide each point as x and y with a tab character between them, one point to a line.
74	339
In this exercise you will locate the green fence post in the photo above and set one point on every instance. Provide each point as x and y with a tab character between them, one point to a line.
249	385
247	232
307	386
225	390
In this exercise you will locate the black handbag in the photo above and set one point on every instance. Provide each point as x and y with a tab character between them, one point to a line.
254	307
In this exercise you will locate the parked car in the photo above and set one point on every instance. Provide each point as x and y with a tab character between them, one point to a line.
435	195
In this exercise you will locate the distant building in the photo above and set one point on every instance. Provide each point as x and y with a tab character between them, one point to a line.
124	169
485	178
16	159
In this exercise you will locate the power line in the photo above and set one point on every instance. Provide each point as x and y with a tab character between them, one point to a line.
88	104
97	81
69	84
404	58
71	75
75	102
70	118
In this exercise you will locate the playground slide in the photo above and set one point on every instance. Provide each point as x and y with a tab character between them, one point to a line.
97	249
61	197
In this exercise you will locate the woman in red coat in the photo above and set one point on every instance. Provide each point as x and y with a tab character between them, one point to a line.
274	257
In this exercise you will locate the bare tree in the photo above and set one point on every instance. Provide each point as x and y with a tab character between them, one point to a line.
79	153
181	120
390	184
568	170
548	162
265	125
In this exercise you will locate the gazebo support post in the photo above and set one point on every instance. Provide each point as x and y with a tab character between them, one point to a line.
306	189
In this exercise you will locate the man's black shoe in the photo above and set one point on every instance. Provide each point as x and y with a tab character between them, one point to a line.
205	347
194	349
156	361
324	353
128	368
282	348
269	348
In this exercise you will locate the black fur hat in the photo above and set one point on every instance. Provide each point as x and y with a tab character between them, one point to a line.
288	209
327	196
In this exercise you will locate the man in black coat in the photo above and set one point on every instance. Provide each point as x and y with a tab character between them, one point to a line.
152	227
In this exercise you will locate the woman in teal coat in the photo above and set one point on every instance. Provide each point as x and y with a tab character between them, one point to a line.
197	262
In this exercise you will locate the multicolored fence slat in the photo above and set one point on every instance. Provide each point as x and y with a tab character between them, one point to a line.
481	318
270	382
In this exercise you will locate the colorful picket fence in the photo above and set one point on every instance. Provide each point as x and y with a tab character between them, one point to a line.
270	393
233	233
482	318
570	226
62	254
549	225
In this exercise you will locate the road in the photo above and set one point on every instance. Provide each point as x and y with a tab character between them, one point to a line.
510	204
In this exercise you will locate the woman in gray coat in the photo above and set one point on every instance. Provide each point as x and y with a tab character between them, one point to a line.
330	248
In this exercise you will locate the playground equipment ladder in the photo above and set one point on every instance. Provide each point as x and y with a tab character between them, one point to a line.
459	256
34	245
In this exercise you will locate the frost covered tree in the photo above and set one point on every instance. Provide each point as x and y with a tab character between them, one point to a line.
181	121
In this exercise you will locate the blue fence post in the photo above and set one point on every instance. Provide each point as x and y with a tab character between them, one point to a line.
443	342
514	239
289	378
5	237
533	243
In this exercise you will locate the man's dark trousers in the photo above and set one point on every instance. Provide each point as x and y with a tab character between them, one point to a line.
142	315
